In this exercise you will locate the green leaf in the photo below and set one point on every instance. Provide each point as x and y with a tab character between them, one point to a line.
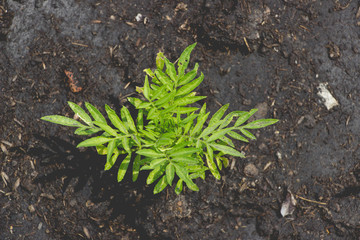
164	79
187	100
162	183
155	174
160	61
156	162
190	86
185	161
199	124
170	70
218	134
125	143
165	100
245	116
81	113
87	130
237	136
150	153
147	89
140	119
136	167
185	110
218	115
149	72
213	169
158	93
148	133
101	150
184	60
247	134
106	128
135	101
189	76
184	152
210	129
260	123
129	121
94	141
110	149
170	173
62	120
115	120
123	168
112	160
95	113
184	175
227	150
179	186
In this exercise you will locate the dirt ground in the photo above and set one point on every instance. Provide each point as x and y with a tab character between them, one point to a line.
269	54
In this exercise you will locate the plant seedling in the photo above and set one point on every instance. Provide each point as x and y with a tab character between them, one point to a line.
169	137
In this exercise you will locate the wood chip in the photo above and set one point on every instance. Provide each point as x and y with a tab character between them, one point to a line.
5	178
16	184
47	195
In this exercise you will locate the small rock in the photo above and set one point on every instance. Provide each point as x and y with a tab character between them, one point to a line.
310	121
73	202
31	208
251	170
263	109
326	96
334	51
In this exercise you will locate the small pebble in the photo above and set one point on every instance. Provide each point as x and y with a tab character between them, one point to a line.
251	170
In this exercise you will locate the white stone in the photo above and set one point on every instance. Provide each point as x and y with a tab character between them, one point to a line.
326	96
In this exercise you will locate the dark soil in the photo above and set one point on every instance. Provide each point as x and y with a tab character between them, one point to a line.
267	54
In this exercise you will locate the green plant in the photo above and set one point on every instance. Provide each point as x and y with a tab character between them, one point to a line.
168	137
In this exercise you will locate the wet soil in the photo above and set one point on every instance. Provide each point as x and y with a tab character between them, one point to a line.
268	54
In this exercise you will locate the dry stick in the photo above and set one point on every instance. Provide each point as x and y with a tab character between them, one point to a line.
309	200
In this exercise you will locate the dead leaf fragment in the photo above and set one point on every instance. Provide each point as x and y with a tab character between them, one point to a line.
288	206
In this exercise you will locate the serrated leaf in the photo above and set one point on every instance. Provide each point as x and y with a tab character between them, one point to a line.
81	113
149	134
147	89
87	131
161	184
260	123
160	60
237	136
202	110
184	60
149	72
186	161
94	141
199	124
129	120
164	79
101	150
123	168
189	76
218	134
62	121
184	152
184	175
170	70
135	101
95	113
158	93
179	186
227	150
106	128
150	153
155	174
228	141
244	117
218	115
110	150
187	100
210	129
112	160
212	166
115	120
247	133
136	167
156	162
140	119
165	100
125	143
170	173
185	110
186	89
